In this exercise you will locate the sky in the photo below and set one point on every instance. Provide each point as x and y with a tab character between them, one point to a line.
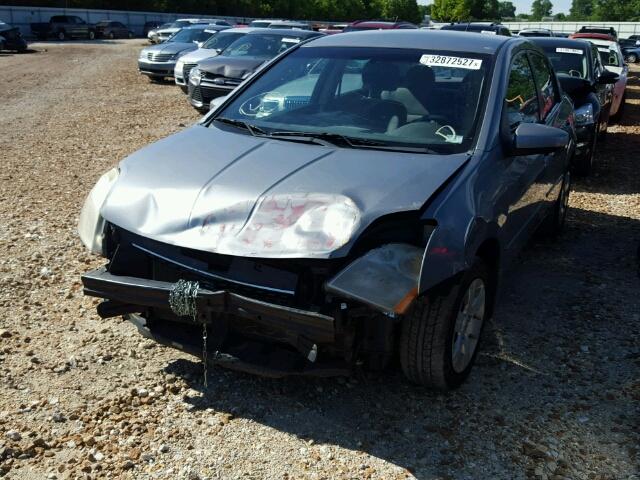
524	6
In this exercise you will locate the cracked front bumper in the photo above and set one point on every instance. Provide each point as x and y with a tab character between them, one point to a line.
134	295
292	348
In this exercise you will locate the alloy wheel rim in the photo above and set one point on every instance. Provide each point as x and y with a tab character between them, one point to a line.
468	326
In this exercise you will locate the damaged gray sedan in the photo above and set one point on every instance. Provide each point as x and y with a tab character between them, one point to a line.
353	203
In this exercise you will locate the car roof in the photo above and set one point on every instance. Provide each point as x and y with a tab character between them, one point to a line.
560	42
284	31
205	26
377	23
411	39
241	29
472	25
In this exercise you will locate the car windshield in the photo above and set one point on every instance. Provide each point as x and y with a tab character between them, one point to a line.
608	57
367	98
222	40
260	45
535	34
188	35
180	24
568	61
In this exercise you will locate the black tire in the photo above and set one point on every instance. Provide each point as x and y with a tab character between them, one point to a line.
112	35
553	225
61	36
427	332
620	113
584	166
184	89
632	58
130	35
91	35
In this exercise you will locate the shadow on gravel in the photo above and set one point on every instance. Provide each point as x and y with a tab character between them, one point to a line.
617	157
563	299
9	53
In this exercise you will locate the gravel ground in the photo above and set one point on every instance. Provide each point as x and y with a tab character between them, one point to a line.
556	392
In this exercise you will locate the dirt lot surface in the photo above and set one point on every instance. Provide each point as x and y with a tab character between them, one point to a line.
556	392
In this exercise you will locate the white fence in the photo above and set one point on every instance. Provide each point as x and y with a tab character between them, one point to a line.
21	17
624	29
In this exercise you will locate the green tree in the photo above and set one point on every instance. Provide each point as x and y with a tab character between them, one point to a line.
581	9
507	10
425	10
541	8
616	10
450	10
402	10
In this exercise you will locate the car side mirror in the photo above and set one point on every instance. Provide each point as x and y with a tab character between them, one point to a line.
608	77
535	138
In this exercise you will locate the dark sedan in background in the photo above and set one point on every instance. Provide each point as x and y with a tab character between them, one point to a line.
159	61
111	29
357	220
220	75
585	79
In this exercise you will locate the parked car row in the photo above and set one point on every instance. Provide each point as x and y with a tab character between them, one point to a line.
349	199
11	39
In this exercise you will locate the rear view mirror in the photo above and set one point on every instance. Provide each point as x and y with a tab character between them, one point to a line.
608	77
535	138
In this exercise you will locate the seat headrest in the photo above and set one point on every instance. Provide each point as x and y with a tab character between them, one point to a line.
380	76
420	76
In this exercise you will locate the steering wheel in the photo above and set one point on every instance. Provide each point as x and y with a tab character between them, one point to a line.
575	73
447	132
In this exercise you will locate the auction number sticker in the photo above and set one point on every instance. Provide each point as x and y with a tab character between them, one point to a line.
575	51
291	40
604	50
453	62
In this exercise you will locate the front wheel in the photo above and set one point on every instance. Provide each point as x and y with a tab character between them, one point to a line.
440	336
584	165
112	35
632	58
62	36
92	35
618	116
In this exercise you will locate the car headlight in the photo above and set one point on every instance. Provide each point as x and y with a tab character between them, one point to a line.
143	55
287	226
195	75
91	223
179	66
584	115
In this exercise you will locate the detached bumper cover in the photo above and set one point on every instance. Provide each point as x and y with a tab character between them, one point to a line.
134	295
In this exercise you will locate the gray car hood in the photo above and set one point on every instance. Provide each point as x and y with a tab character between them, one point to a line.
180	189
172	47
231	67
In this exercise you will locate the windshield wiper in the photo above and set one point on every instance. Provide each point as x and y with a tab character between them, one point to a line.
252	129
350	142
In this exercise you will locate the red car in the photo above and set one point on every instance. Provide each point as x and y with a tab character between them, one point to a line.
378	25
594	36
